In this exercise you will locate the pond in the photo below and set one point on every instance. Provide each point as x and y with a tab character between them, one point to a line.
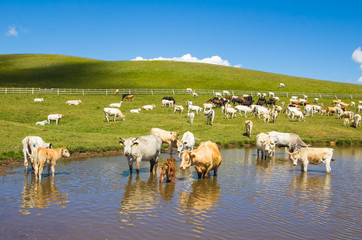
97	198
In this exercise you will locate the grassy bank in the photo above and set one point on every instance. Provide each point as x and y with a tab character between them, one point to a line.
83	128
57	71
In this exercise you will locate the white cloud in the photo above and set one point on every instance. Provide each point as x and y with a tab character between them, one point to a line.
12	32
188	58
357	56
359	80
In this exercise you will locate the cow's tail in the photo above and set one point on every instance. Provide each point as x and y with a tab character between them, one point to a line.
28	148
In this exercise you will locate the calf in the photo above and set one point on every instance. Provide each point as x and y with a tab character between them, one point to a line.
115	112
149	107
248	127
313	156
169	170
210	114
194	108
55	117
50	157
30	144
357	120
73	102
346	122
192	116
359	108
178	108
42	123
38	99
116	105
135	110
244	109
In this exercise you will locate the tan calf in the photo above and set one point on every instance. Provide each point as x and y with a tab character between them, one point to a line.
48	156
313	156
205	159
166	137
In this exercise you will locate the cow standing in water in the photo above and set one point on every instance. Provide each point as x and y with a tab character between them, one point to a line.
313	156
144	148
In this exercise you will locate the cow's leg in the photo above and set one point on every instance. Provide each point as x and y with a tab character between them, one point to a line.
152	164
199	174
304	166
40	170
25	160
328	165
36	169
215	172
53	170
138	166
49	169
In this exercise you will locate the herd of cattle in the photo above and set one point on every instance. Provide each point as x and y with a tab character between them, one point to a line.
206	157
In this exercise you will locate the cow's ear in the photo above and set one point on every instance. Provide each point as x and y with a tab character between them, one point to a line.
121	142
192	155
185	142
50	145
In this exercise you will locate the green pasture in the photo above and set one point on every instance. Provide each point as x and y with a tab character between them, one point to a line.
83	127
58	71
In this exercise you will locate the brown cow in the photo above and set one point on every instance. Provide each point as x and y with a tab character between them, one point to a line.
205	159
169	170
129	97
166	137
50	157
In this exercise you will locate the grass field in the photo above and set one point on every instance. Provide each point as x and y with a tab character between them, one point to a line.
58	71
83	127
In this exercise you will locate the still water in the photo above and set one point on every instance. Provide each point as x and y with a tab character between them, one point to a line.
97	198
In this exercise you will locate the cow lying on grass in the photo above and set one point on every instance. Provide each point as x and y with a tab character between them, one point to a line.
313	156
50	157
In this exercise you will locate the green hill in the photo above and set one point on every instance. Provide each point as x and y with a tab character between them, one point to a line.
58	71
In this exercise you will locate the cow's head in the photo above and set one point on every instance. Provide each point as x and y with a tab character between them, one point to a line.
294	157
174	136
65	152
186	159
49	145
129	145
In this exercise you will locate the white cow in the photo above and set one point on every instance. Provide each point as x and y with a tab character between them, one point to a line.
30	144
73	102
352	104
38	99
242	108
188	90
316	100
192	116
55	117
290	140
116	105
359	108
217	94
166	103
194	108
261	110
357	120
42	123
265	145
299	115
230	111
194	94
226	93
149	107
281	85
208	106
271	94
313	156
138	110
178	108
186	143
210	114
115	112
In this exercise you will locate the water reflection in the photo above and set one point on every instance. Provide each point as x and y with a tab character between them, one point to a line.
140	195
203	196
313	190
167	190
40	194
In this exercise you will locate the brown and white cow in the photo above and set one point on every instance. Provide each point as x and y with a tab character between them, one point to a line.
313	156
50	157
166	137
205	159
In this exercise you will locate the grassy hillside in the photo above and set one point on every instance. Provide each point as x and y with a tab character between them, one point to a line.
46	71
83	127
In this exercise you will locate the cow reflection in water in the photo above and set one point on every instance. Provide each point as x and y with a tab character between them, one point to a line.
140	195
41	194
315	190
203	196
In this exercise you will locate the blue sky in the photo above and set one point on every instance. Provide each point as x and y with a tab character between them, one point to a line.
314	39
